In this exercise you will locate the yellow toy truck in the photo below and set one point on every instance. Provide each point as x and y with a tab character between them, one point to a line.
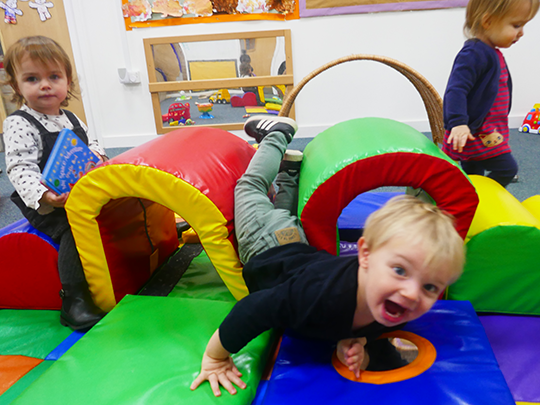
220	97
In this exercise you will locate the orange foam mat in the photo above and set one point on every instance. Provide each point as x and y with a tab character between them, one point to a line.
12	368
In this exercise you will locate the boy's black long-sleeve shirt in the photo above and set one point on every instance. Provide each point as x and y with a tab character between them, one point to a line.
296	286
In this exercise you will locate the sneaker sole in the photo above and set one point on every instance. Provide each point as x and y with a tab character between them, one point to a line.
292	155
285	120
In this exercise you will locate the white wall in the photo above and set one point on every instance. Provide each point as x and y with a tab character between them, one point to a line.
121	115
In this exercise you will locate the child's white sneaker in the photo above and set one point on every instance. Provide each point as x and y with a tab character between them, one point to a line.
292	161
259	126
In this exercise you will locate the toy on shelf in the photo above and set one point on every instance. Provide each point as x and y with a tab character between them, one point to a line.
273	99
248	99
182	97
272	106
205	108
181	122
221	97
177	112
531	123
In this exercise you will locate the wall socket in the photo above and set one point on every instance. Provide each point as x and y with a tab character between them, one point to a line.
129	77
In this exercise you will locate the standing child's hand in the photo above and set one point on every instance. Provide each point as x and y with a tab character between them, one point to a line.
459	136
100	157
54	200
352	354
219	371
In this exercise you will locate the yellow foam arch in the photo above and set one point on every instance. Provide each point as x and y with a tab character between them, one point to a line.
533	205
106	183
497	207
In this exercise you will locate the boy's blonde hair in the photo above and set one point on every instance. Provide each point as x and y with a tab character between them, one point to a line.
497	9
41	49
420	224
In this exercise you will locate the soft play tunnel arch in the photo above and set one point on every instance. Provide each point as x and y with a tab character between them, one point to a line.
192	172
363	154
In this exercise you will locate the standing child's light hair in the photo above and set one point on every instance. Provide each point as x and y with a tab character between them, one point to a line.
41	49
420	224
479	10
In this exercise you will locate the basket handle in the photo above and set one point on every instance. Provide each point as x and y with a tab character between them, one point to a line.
430	96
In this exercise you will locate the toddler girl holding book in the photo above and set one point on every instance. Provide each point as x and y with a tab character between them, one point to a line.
41	75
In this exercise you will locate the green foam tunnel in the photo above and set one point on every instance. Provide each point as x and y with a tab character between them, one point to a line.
363	154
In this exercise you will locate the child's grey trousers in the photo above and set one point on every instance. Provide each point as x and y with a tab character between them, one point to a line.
261	225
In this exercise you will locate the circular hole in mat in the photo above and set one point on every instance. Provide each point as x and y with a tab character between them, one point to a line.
410	353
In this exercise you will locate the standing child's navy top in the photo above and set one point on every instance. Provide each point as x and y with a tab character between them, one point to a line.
478	95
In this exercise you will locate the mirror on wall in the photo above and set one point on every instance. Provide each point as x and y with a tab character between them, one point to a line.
217	80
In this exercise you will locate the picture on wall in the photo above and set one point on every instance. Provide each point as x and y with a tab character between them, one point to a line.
152	13
316	8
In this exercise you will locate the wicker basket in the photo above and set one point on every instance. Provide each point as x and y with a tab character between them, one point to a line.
432	99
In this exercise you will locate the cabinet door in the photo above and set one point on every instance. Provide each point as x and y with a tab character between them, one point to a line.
30	24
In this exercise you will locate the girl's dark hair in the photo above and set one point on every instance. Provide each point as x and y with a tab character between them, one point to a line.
41	49
245	58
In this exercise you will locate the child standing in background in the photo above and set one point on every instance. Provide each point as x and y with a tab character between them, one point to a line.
246	70
479	91
40	73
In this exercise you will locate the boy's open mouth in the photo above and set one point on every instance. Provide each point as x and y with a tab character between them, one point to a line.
392	309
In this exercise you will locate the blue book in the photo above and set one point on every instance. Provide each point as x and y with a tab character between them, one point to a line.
70	159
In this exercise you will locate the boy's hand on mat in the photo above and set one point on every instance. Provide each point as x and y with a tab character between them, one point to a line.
219	371
352	354
459	136
54	200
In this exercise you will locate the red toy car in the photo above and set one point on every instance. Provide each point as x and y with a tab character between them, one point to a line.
531	123
177	112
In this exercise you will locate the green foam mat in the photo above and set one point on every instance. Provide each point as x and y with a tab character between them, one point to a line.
16	389
201	280
32	333
147	350
501	271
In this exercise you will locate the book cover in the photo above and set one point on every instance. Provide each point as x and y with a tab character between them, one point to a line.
70	159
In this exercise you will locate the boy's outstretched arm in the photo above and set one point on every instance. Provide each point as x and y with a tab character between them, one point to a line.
218	368
352	354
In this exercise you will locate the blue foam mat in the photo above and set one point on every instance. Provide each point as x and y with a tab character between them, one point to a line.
353	217
65	345
23	226
465	370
